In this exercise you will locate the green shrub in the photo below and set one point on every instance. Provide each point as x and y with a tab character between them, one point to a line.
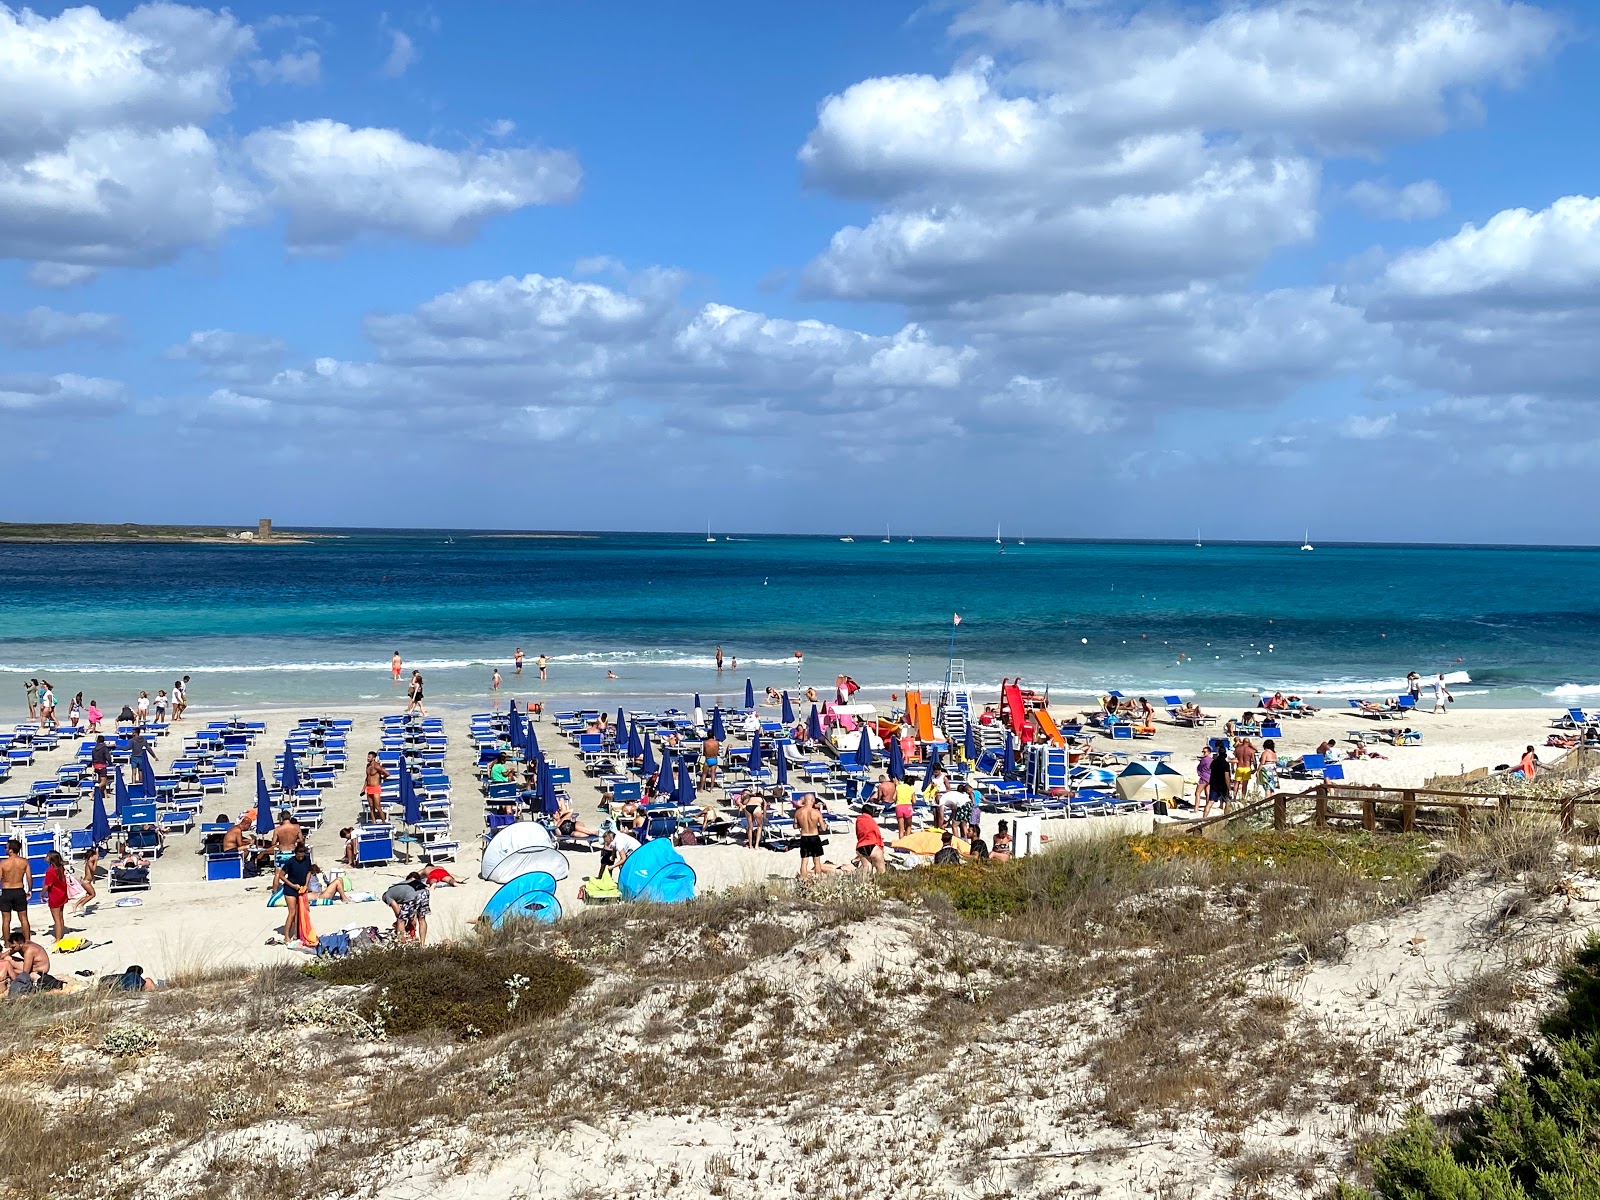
461	989
1534	1139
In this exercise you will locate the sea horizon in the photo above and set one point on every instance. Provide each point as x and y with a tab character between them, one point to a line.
316	622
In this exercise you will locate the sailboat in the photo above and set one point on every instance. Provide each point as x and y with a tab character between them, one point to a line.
709	538
1308	545
997	540
1023	540
847	539
886	533
1197	541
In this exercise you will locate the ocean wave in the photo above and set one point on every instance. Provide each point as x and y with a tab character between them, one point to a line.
597	658
1574	689
1362	687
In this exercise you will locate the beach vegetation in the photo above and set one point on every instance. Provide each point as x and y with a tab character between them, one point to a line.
1533	1139
464	989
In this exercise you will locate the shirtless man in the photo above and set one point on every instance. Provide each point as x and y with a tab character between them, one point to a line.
710	757
372	790
16	881
808	820
237	836
26	967
288	834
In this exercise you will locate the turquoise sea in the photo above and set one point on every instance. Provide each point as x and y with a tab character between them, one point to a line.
316	623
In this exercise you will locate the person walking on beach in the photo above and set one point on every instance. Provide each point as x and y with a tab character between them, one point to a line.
543	664
47	705
180	697
31	688
395	663
372	790
414	700
94	716
86	888
1219	793
55	891
516	662
494	686
1414	686
1441	694
16	881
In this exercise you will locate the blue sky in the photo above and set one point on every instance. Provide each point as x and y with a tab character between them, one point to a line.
1093	269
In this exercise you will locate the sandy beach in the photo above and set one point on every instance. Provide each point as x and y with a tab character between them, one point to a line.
184	924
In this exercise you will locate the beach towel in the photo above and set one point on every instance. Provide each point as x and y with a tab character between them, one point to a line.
300	918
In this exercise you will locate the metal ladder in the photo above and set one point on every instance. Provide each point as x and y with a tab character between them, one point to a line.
955	704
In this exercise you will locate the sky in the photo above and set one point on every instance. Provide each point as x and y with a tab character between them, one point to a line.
1074	268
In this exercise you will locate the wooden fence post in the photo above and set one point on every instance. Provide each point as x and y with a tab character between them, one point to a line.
1569	813
1369	814
1280	812
1319	816
1408	811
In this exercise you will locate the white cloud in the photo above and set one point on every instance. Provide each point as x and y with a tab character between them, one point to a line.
112	150
60	275
301	68
1413	202
42	327
1083	151
336	183
228	355
66	396
502	128
402	53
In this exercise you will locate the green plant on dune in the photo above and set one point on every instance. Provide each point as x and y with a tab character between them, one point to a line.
1536	1138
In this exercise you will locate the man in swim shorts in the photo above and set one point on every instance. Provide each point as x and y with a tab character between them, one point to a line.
808	820
16	881
710	759
372	790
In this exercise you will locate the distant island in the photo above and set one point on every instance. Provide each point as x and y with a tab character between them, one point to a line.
264	533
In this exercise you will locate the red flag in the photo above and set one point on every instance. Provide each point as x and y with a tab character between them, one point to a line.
958	619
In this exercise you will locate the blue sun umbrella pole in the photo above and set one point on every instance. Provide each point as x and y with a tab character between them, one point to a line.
263	802
749	695
788	711
99	823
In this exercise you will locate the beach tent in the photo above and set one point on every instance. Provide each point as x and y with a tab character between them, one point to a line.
656	871
788	710
1143	782
263	803
521	847
749	695
814	724
718	730
927	843
685	796
529	897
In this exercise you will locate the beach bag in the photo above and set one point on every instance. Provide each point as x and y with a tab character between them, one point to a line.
333	945
75	889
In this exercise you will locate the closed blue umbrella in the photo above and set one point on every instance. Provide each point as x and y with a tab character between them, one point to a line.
718	730
864	750
514	727
289	780
263	803
649	764
685	784
783	766
635	746
120	795
788	710
814	724
99	823
755	752
897	759
933	762
622	723
410	802
147	777
547	788
530	742
667	781
749	695
696	707
1008	765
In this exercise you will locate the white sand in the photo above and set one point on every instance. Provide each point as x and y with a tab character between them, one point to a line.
185	923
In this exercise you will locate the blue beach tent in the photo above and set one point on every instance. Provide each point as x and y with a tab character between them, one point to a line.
530	897
656	871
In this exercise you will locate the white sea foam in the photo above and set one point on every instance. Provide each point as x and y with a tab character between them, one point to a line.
1575	689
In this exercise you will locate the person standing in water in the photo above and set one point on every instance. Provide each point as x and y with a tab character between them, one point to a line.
544	667
494	686
719	658
414	700
516	662
394	666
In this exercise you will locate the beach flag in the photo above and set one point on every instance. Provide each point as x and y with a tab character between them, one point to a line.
957	620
